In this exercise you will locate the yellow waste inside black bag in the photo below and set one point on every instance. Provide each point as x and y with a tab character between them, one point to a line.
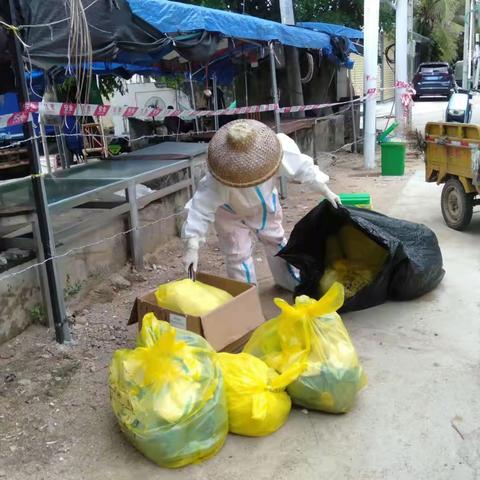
257	402
311	334
168	395
191	298
352	259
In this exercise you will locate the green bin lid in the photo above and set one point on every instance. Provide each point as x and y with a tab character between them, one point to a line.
383	136
355	198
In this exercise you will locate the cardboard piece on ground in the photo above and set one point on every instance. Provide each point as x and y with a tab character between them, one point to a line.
226	328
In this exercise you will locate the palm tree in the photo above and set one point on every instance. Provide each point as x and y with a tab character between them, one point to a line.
439	20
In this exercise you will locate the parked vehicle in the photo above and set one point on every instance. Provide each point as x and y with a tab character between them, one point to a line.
459	108
451	158
434	78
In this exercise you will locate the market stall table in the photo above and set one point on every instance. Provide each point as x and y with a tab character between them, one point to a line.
93	185
165	150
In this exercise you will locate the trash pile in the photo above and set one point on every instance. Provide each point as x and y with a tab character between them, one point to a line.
175	398
377	258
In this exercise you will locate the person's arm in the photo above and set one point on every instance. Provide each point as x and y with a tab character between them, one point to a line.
300	168
201	214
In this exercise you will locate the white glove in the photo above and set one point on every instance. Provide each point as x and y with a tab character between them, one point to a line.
190	258
329	195
333	198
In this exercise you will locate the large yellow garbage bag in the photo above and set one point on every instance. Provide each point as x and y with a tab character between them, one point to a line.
257	402
312	334
191	298
168	395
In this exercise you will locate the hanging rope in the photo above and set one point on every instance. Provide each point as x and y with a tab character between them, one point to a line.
308	77
80	50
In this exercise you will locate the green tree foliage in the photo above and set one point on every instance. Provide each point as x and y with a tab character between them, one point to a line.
439	21
108	85
343	12
268	9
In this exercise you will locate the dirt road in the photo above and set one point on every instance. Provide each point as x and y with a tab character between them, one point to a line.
55	417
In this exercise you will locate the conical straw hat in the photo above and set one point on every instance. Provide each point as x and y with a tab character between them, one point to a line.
244	153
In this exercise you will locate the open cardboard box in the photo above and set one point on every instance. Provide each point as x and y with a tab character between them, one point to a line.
226	328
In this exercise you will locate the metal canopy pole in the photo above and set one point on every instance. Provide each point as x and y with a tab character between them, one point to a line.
245	75
65	155
62	332
134	236
192	93
44	143
352	106
215	101
278	127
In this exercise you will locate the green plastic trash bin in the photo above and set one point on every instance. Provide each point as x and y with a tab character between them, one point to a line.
393	158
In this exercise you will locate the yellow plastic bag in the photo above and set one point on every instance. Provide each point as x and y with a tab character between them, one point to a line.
354	276
191	298
352	259
168	395
312	334
257	402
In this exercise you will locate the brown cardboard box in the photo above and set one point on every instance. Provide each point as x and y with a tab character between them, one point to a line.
227	328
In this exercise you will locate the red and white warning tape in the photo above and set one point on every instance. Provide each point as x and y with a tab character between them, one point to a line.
451	143
407	96
92	110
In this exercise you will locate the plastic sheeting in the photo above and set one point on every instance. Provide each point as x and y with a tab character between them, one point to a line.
173	17
123	70
115	33
338	33
333	29
138	38
9	104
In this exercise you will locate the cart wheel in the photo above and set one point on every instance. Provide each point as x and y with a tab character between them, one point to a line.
457	205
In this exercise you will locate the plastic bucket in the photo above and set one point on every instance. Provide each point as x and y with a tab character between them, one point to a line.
393	158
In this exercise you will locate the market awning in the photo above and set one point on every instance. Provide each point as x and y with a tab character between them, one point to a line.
141	32
172	17
333	29
116	35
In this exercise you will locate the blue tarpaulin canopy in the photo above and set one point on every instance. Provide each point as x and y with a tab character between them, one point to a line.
333	29
124	70
173	17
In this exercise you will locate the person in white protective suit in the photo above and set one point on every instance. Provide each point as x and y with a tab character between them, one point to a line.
239	196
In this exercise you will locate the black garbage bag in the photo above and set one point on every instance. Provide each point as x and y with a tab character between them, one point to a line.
412	265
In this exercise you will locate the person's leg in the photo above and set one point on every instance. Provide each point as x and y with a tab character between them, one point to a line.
273	239
235	242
